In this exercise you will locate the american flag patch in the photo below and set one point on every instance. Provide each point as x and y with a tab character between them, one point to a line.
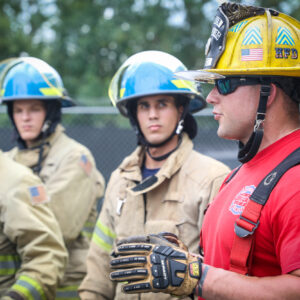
38	194
85	164
252	54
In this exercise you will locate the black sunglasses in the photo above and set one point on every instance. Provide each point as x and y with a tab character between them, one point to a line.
230	84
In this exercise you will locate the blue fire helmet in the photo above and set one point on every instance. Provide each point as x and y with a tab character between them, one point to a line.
31	78
152	73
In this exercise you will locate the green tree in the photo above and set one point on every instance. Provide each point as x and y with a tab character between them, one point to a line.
87	41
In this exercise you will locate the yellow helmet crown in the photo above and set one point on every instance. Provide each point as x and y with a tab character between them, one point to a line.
248	40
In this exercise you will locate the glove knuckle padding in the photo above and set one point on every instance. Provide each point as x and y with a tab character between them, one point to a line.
158	268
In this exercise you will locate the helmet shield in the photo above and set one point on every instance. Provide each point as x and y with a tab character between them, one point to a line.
31	78
216	43
151	73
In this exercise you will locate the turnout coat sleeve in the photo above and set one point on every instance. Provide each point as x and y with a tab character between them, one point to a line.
74	190
72	179
30	234
97	284
74	185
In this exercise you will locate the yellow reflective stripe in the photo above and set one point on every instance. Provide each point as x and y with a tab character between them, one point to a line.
89	224
67	293
87	234
184	84
51	91
8	257
2	92
106	230
101	243
103	236
9	264
88	229
29	288
122	91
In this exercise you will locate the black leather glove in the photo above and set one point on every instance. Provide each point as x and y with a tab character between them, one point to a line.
155	263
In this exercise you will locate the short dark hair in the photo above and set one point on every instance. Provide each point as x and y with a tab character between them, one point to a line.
290	85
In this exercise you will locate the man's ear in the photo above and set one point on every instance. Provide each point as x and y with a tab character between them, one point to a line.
273	94
180	109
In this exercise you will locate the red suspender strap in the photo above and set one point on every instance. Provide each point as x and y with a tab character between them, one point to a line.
240	257
246	224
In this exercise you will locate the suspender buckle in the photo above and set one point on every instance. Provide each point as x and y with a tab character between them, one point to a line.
241	223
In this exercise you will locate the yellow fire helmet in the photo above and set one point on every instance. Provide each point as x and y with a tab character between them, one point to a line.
248	40
258	46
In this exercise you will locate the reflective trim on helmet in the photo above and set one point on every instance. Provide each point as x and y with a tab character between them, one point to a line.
31	78
150	73
199	75
260	41
51	91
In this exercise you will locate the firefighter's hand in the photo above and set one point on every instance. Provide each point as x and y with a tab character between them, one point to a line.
155	263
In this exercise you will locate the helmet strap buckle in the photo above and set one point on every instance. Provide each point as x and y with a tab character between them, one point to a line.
46	126
179	127
259	122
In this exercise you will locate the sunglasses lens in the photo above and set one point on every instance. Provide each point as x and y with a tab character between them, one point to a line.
229	85
224	86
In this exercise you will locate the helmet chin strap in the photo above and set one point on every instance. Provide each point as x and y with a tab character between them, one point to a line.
164	156
38	167
248	151
143	141
177	131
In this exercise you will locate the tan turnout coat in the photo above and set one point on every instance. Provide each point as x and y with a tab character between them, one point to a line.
75	186
32	252
173	201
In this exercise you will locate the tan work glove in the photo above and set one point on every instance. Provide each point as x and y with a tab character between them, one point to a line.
155	263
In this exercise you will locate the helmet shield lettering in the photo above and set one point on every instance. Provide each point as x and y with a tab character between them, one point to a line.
216	43
258	42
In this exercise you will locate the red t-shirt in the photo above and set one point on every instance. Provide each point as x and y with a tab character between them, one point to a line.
277	242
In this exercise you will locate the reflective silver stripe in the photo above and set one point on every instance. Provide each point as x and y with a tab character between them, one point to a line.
67	293
104	233
103	236
88	229
9	264
29	288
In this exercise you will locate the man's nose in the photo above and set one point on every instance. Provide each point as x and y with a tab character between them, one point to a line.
152	112
25	115
212	97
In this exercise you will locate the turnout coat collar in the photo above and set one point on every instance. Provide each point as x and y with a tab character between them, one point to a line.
130	169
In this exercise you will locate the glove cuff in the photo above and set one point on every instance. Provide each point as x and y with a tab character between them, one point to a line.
198	288
195	268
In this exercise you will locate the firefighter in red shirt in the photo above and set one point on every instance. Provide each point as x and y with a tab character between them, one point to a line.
253	225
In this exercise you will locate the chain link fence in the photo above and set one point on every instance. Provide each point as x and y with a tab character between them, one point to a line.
110	137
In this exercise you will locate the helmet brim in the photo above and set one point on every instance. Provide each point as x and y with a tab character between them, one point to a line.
209	76
201	104
199	75
65	102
